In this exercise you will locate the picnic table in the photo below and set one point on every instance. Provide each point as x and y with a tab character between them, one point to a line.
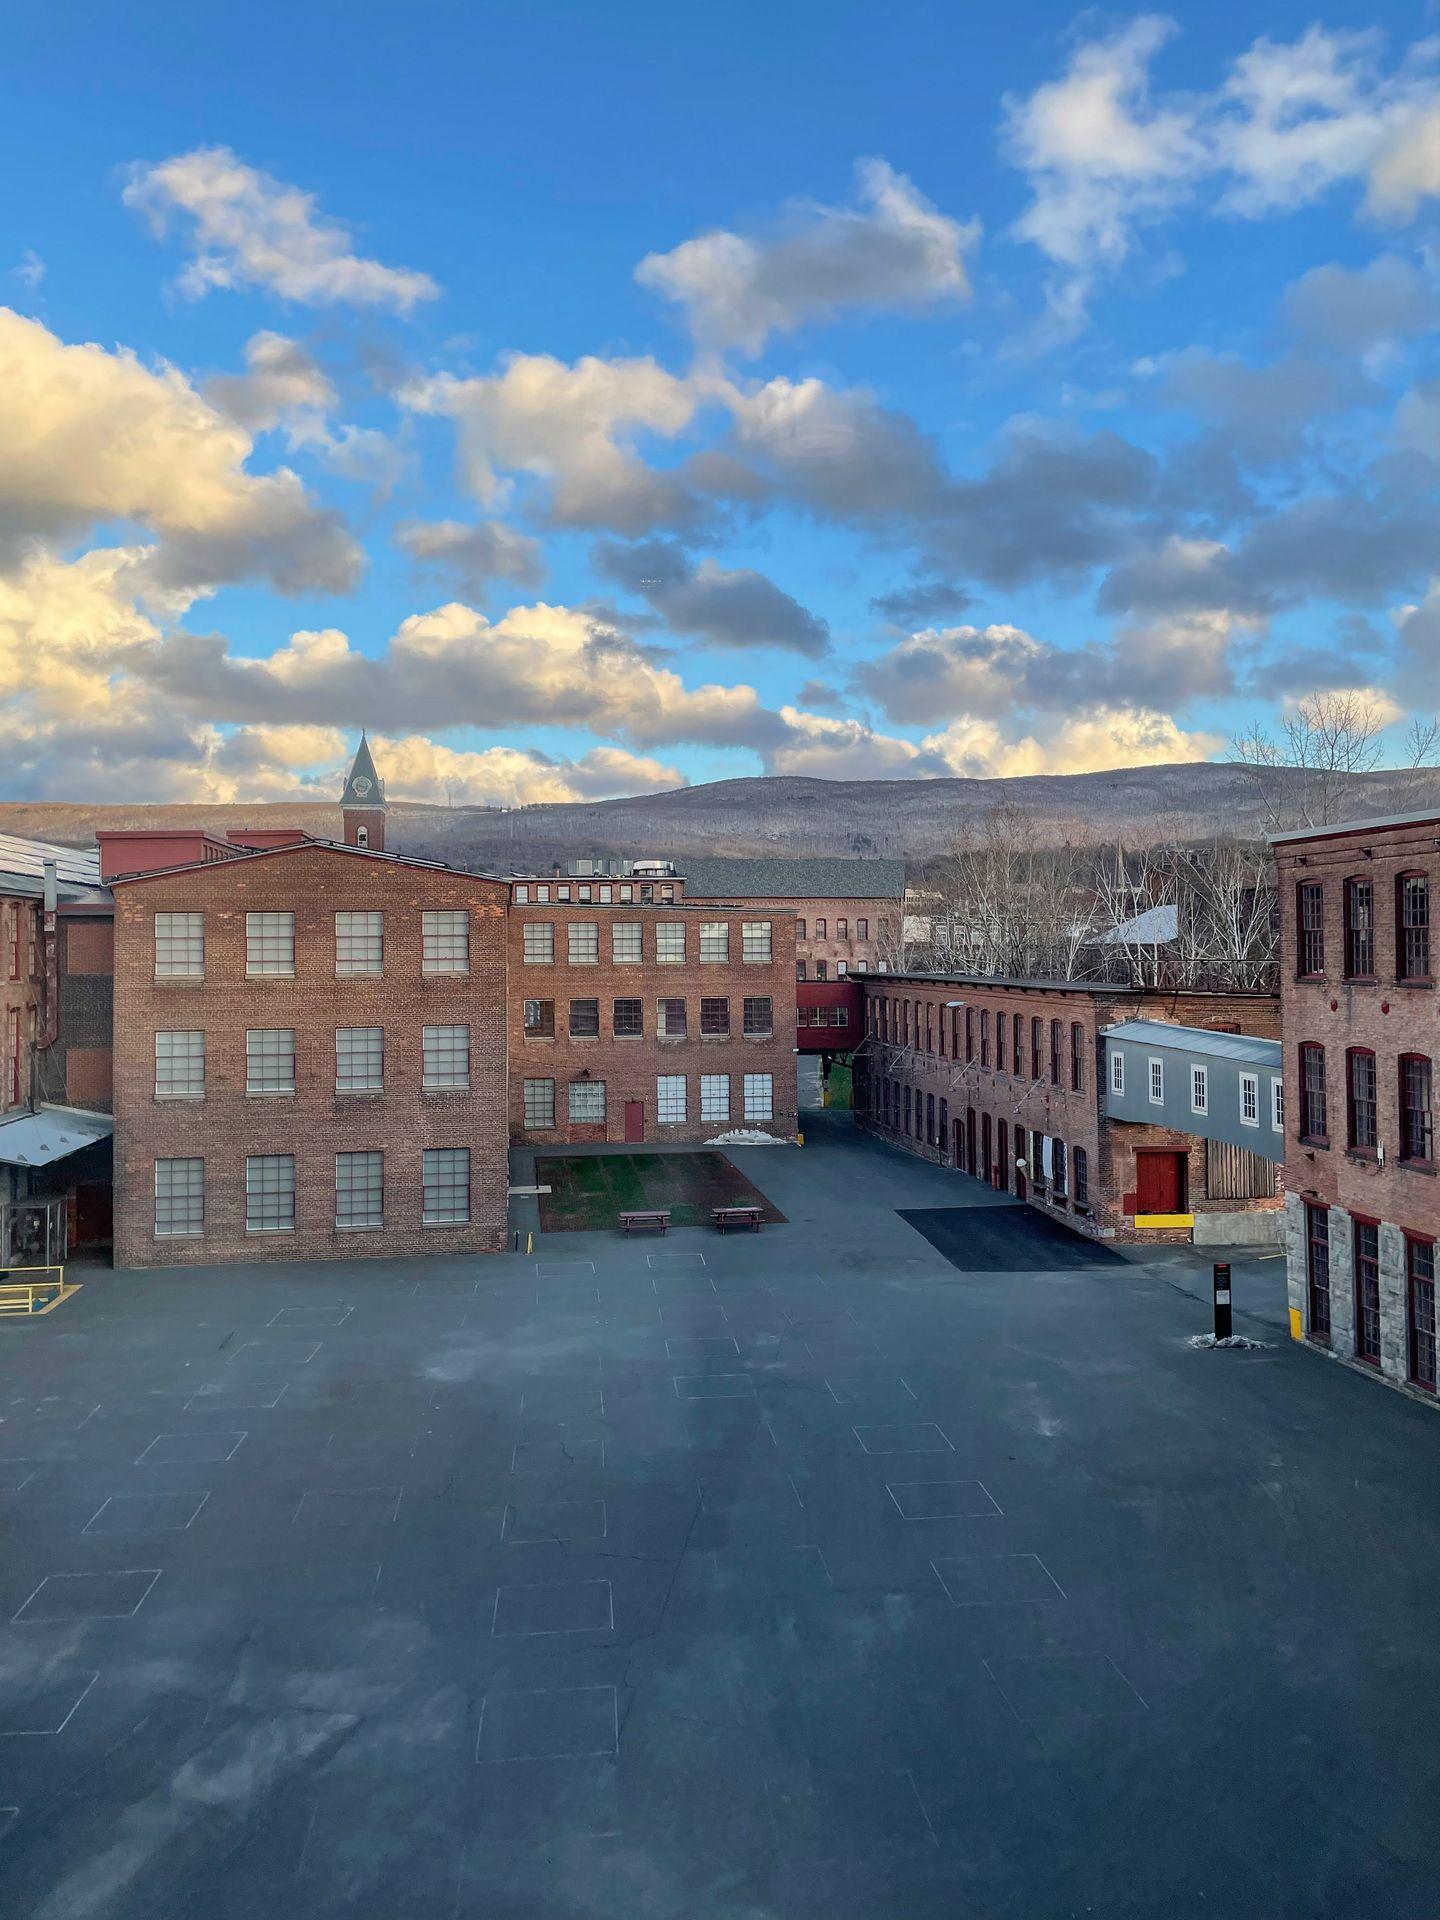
739	1215
657	1218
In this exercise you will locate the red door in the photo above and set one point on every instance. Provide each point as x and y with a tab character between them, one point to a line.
634	1120
1160	1182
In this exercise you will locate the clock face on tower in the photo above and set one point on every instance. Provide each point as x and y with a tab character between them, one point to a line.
360	786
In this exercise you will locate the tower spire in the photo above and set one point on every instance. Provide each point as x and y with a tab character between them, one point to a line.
362	801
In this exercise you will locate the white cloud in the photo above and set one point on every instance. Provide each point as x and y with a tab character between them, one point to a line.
1406	170
31	270
893	252
283	385
250	230
417	768
832	749
475	554
1086	743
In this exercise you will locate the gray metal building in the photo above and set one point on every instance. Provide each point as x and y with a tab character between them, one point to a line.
1225	1087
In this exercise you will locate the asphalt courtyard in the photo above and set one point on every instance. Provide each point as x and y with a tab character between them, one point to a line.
802	1574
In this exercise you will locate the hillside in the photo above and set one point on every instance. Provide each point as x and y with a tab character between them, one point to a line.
909	819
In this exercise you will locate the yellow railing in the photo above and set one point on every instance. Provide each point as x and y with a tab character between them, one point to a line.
32	1289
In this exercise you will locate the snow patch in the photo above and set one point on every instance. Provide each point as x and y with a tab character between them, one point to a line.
746	1137
1236	1340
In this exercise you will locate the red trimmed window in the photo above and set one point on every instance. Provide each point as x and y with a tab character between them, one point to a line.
1077	1057
1019	1045
969	1033
1317	1270
1420	1310
1310	929
1417	1123
1360	1114
1367	1292
1312	1093
1412	926
1001	1038
984	1036
1055	1032
1035	1048
1359	930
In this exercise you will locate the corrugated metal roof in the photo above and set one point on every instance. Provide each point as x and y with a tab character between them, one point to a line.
1427	817
77	869
822	878
50	1133
1155	927
1219	1046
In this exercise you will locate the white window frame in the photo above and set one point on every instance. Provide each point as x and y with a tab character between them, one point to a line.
591	1108
1250	1086
522	895
582	943
267	1049
1199	1088
714	943
1277	1104
757	948
445	940
360	1191
670	1099
270	1178
714	1097
180	945
445	1059
360	1055
269	946
440	1186
177	1189
759	1096
670	943
1117	1071
539	1115
538	943
1156	1078
360	943
183	1077
627	943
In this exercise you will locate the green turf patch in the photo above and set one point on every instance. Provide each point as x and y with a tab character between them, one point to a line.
589	1192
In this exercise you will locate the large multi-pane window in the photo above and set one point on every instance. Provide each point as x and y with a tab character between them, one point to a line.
179	1066
1367	1291
1082	1177
1117	1071
270	1060
1360	1102
670	1022
445	1178
1360	929
760	1096
446	1053
540	1019
1157	1083
714	1096
1017	1060
670	942
270	1193
179	946
1417	1125
360	1190
445	940
984	1034
627	946
584	1019
715	1016
179	1198
359	1059
1317	1269
715	941
360	942
539	1103
1412	926
584	943
759	1014
1420	1311
1057	1169
755	941
1036	1031
670	1098
539	943
1312	1093
1055	1032
587	1103
1310	928
1250	1099
1199	1089
270	944
1077	1057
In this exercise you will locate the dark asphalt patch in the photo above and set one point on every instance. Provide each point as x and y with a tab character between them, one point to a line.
1005	1240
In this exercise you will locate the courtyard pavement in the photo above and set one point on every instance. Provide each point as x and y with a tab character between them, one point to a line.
801	1574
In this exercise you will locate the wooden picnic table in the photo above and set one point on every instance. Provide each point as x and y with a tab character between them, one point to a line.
656	1218
739	1215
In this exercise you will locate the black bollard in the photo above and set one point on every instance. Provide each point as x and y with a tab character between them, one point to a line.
1222	1300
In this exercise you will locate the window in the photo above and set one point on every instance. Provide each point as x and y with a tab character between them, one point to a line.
715	942
1077	1057
629	1018
799	929
984	1035
1055	1032
1200	1090
445	940
1117	1072
1367	1291
539	1103
359	943
270	1193
542	894
862	929
584	938
179	946
670	1023
1359	929
755	942
270	943
359	1059
839	1016
12	923
445	1178
584	894
587	1103
1249	1100
1360	1100
584	1019
1277	1105
539	943
759	1016
820	973
1420	1310
1412	931
1001	1039
270	1060
360	1190
1057	1169
842	929
1317	1270
446	1054
1417	1125
1018	1044
179	1066
179	1198
799	969
1157	1083
670	942
1310	927
522	894
626	947
715	1016
714	1096
819	929
670	1098
929	1119
540	1019
1312	1093
1035	1047
1082	1177
759	1097
969	1033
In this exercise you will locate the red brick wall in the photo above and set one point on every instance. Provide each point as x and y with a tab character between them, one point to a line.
629	1065
316	1122
19	998
853	952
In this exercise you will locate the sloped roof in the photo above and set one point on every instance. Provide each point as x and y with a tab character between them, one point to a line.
1155	927
1218	1046
50	1133
821	878
77	869
363	785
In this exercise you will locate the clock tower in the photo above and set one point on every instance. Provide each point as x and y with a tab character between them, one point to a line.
362	804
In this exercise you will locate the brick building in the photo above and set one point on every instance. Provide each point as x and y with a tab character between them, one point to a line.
1357	991
846	912
1003	1079
637	1014
309	1054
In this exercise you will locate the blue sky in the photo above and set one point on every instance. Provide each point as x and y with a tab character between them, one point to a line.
591	399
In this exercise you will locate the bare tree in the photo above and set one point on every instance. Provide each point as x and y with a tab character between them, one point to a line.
1301	776
1005	903
1229	929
